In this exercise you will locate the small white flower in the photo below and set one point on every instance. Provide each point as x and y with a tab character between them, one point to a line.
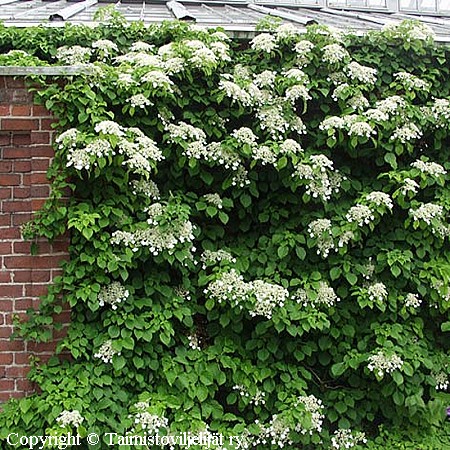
72	418
334	53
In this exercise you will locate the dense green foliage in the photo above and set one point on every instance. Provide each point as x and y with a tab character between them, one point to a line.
259	237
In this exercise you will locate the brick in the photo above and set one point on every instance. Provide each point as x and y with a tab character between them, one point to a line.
20	124
9	179
5	221
47	124
5	358
21	138
23	304
40	191
20	110
21	358
16	206
5	277
60	246
40	276
22	166
6	305
19	219
24	386
41	347
36	290
5	332
4	110
11	290
5	166
16	371
5	192
6	385
13	82
39	110
5	139
5	249
40	164
21	192
43	151
39	178
18	262
10	233
16	153
40	137
22	247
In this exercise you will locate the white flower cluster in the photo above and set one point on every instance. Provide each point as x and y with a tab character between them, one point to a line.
84	158
264	154
213	199
185	132
230	286
353	123
363	74
412	301
240	177
332	123
113	294
361	128
324	295
73	55
321	178
334	53
377	292
194	341
139	101
257	399
158	80
272	119
245	135
303	47
286	31
409	185
267	296
380	199
265	79
391	105
264	42
214	257
155	238
148	188
345	438
72	418
440	112
105	46
106	352
320	229
290	147
68	138
358	102
275	433
315	407
141	46
407	132
441	380
410	81
360	214
430	168
151	423
380	363
427	212
408	32
297	91
235	92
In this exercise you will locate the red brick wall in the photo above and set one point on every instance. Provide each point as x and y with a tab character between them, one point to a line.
25	154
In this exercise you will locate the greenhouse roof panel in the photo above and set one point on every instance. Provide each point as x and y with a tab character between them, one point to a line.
237	16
